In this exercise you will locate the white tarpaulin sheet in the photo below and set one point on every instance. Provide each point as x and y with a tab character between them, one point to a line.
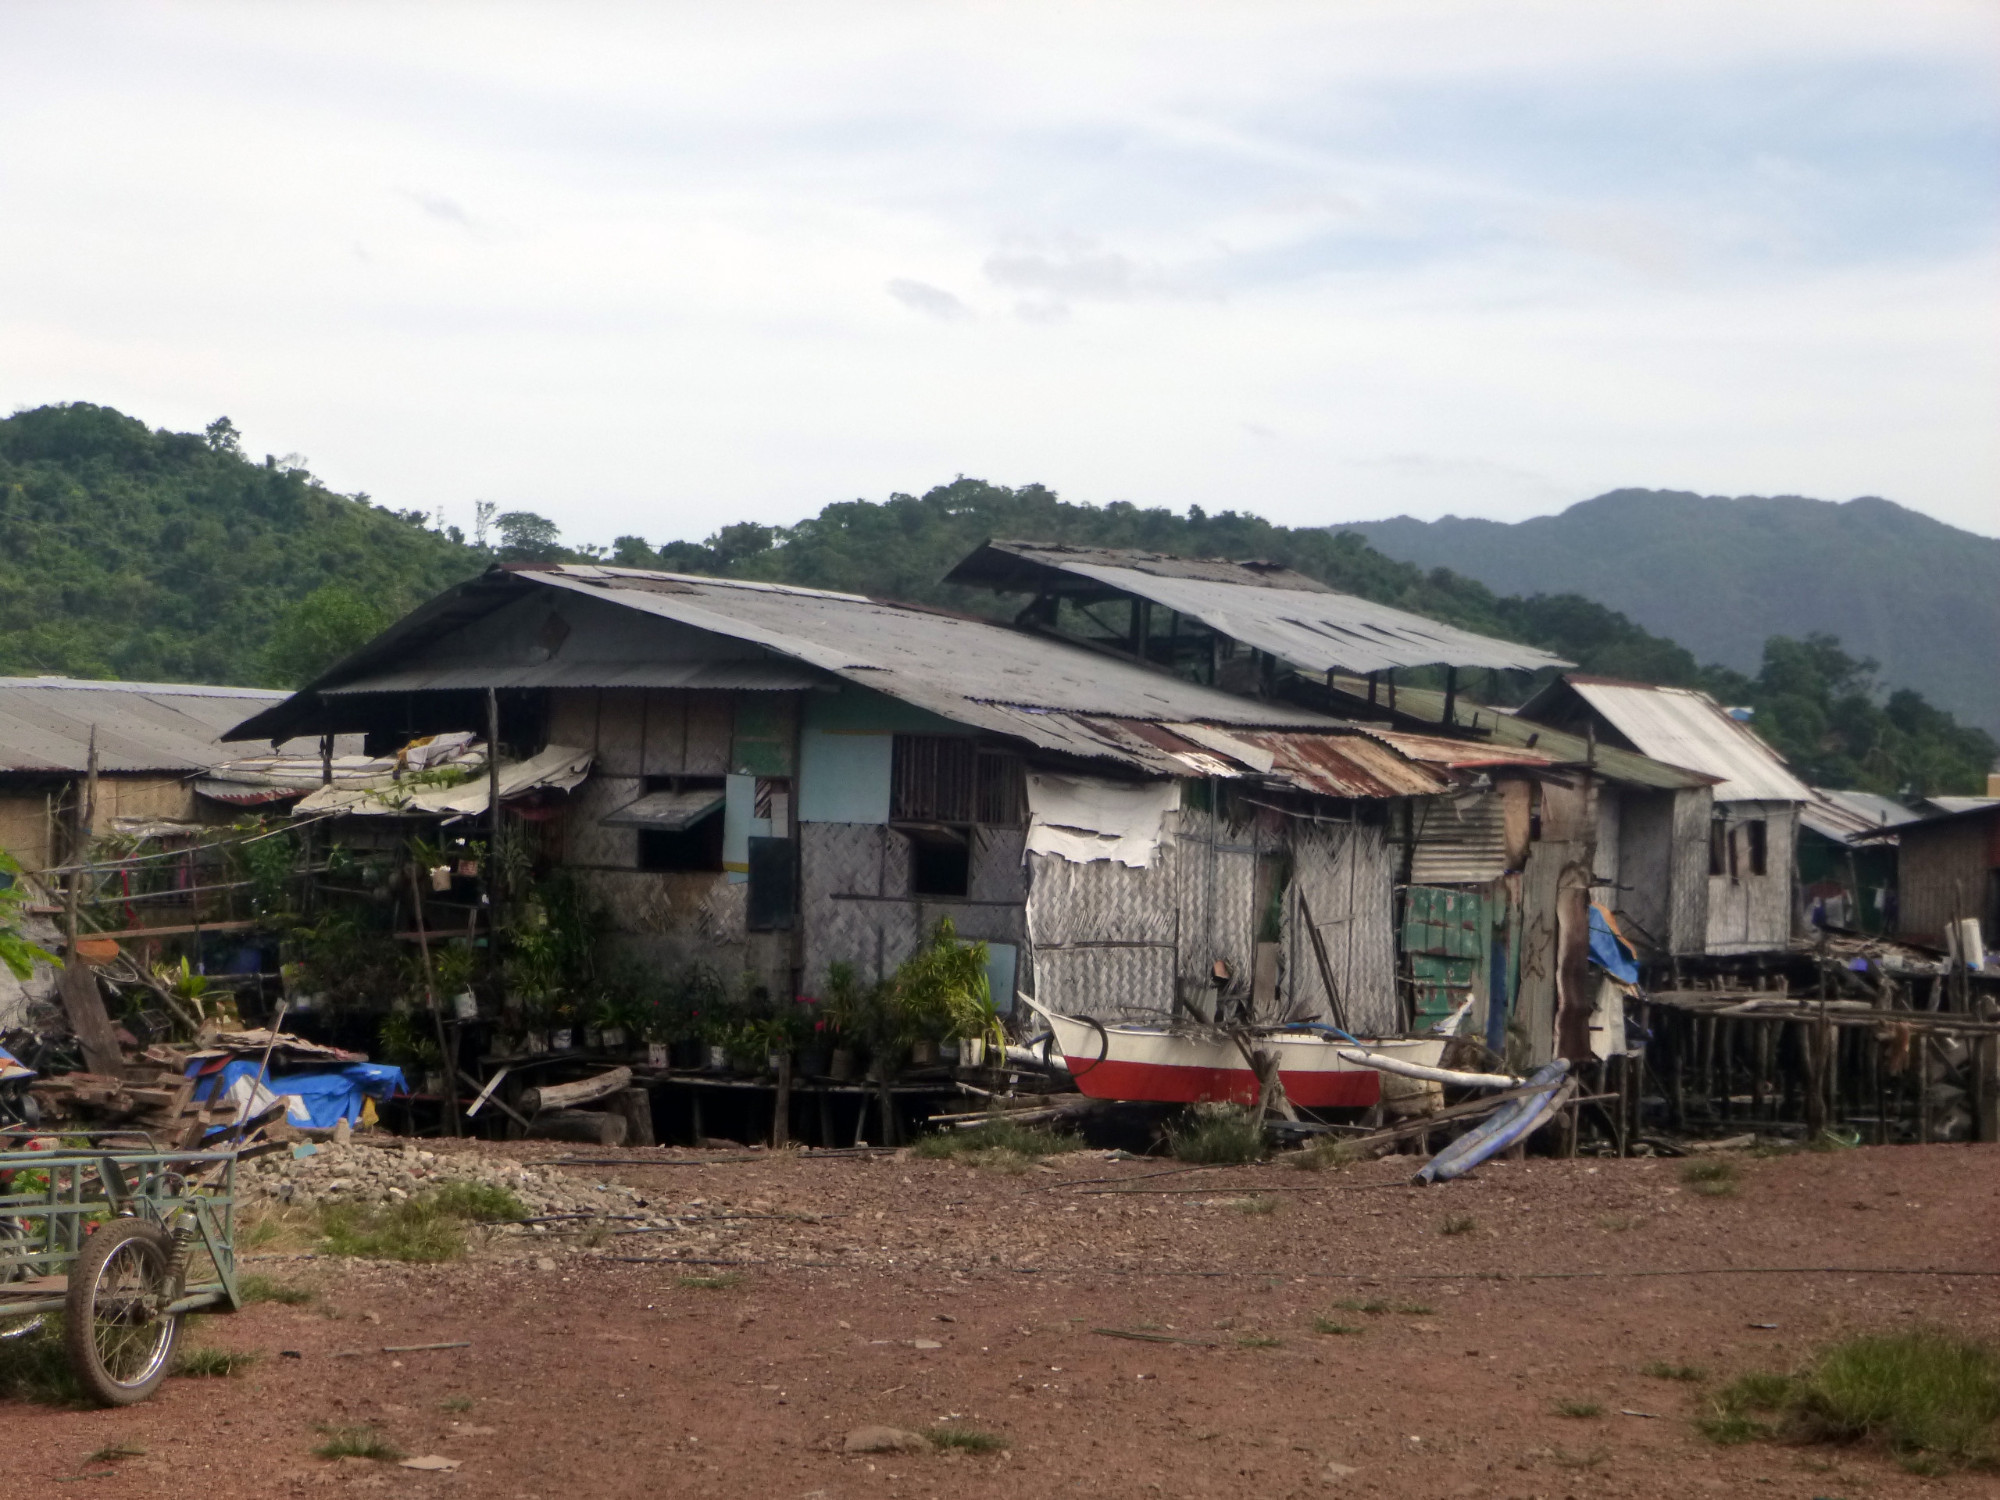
559	767
1080	818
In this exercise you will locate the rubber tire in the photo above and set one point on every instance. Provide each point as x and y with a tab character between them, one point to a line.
79	1323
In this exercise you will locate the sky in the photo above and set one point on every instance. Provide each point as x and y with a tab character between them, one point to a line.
653	269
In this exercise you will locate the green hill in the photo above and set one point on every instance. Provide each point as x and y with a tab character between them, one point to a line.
170	556
1722	576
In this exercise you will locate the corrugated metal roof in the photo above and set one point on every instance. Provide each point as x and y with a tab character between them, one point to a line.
747	675
46	723
1460	755
1684	727
1847	815
1273	609
975	672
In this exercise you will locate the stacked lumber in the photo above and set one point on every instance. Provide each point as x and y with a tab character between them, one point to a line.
151	1093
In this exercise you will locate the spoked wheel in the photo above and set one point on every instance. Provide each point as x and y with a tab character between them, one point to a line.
116	1325
15	1266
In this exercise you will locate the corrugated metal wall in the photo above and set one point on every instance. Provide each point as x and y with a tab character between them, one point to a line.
1347	877
1459	840
1689	896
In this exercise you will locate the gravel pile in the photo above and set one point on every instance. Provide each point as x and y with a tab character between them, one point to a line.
366	1175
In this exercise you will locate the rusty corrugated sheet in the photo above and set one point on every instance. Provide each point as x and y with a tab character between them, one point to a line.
1345	765
1461	755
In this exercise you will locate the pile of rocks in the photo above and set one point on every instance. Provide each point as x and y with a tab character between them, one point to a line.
367	1175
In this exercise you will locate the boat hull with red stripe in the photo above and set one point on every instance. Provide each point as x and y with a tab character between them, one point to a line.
1152	1064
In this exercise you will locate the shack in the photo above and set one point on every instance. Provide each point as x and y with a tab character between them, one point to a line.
1948	870
1752	832
781	779
1494	883
153	740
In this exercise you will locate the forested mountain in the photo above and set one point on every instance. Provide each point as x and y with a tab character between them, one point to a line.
173	556
1722	576
170	556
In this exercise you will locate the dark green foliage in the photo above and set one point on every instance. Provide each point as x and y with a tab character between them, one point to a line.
169	556
34	1366
479	1202
318	631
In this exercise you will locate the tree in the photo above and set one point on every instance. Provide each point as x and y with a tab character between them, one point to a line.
329	623
223	437
527	537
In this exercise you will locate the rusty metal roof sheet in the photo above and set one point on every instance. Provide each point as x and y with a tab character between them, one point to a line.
1271	608
46	723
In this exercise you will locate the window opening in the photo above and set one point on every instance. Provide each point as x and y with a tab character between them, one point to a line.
1755	832
694	849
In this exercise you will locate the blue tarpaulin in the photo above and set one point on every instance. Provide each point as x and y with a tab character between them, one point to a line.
1609	951
317	1096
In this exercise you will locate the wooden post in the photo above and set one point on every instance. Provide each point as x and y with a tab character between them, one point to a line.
496	891
825	1117
82	1002
447	1045
1815	1065
781	1103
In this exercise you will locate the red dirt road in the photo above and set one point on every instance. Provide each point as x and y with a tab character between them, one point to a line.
909	1293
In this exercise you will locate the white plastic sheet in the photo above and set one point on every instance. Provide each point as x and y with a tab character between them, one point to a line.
1081	818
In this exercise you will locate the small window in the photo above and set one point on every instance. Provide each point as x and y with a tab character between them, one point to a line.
1718	848
695	848
940	869
1754	831
940	860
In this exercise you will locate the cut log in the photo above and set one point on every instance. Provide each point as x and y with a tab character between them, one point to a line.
569	1095
636	1105
590	1126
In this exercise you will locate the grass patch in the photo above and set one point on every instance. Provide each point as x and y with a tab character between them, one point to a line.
1712	1178
1618	1223
274	1228
428	1228
260	1288
1259	1341
1323	1324
719	1281
455	1404
1002	1144
1324	1153
1579	1409
966	1439
35	1368
1217	1135
211	1362
478	1203
1659	1369
1258	1205
1928	1398
356	1442
1458	1224
1376	1306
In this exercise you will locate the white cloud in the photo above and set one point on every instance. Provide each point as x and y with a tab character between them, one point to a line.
627	265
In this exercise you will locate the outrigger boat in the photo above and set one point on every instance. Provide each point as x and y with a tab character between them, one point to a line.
1208	1065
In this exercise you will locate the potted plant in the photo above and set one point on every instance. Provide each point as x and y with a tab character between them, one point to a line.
941	991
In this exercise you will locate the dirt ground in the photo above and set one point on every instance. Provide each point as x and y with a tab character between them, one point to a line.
889	1290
